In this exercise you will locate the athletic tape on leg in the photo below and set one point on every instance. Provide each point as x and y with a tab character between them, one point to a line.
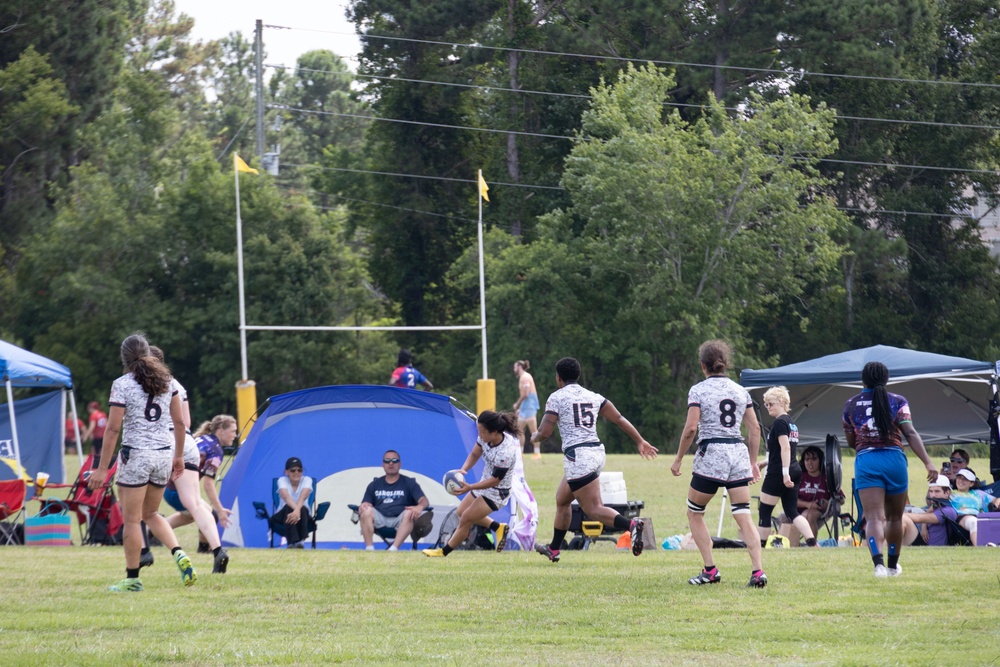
740	508
695	507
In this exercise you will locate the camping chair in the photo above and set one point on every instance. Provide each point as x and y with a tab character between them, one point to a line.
12	512
261	512
421	527
99	516
478	537
833	518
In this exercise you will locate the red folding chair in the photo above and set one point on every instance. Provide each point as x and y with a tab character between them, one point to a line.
12	512
97	508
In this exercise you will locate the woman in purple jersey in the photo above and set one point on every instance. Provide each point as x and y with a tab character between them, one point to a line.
874	422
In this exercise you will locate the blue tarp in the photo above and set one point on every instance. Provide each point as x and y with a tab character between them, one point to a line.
39	430
340	433
27	369
948	396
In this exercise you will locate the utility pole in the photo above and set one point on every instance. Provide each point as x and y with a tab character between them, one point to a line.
259	87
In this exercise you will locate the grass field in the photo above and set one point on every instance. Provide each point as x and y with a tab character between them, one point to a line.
821	607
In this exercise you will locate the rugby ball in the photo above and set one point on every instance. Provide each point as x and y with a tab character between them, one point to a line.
453	481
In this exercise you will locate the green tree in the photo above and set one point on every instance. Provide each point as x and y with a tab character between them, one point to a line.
677	232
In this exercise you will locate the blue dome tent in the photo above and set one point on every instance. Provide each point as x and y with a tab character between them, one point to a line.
340	433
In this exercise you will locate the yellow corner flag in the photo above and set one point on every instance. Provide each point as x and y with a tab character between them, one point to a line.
483	188
243	166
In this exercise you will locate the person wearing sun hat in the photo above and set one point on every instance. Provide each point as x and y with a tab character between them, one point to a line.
969	502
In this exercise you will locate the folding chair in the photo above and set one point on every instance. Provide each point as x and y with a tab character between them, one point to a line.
261	512
833	519
421	527
97	511
12	511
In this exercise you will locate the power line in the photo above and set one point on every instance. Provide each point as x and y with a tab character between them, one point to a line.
562	136
801	73
839	117
421	176
550	187
417	122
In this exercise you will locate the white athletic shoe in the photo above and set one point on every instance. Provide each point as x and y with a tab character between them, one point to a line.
392	548
895	573
881	572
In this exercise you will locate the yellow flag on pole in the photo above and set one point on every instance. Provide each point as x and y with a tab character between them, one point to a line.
483	188
243	166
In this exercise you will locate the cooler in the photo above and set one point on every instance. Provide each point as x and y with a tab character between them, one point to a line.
988	528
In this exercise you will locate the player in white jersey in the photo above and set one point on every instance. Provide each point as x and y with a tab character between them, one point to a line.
575	410
717	407
149	455
185	494
499	448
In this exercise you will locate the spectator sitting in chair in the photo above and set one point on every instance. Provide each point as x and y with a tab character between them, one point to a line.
814	496
391	501
929	528
292	516
969	502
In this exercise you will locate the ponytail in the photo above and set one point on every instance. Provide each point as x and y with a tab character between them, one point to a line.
138	360
875	375
499	422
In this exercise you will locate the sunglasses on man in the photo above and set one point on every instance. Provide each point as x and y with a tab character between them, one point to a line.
393	460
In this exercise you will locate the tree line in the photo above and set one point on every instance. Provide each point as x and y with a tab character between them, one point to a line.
804	190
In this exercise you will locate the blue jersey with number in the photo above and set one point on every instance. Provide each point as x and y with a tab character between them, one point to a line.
407	376
722	403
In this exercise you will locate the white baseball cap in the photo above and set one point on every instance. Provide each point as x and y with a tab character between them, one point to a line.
942	481
967	474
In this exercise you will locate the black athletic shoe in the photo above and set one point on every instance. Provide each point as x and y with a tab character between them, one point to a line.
221	562
203	548
757	580
551	554
146	559
706	578
635	531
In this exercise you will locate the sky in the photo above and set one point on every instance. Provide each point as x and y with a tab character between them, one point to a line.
316	21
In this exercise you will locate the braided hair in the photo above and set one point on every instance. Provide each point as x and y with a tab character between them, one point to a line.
875	375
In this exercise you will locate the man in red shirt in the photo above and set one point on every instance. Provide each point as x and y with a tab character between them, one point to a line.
69	433
95	429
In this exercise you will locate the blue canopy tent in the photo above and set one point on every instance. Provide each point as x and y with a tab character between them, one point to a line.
21	368
340	433
949	396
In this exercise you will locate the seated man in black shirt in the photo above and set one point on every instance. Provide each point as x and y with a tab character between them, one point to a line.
391	501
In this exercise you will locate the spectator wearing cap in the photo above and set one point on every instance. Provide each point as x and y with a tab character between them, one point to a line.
969	502
98	421
929	528
391	501
292	516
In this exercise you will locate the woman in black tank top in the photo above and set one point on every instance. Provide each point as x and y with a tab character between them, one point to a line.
781	481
